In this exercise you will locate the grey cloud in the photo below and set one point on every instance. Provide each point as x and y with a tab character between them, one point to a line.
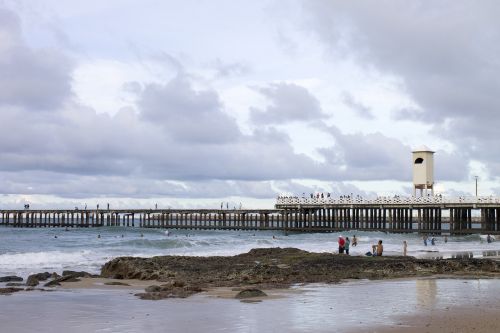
360	109
375	156
187	114
445	51
289	102
407	114
38	79
224	69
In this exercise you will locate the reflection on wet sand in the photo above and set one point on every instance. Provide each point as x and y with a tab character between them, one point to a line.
426	293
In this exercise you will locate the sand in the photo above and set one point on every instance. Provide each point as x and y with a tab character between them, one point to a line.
478	319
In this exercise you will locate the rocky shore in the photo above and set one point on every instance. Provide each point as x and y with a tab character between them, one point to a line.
182	276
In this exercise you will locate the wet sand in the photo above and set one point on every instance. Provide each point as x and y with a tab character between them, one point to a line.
477	319
408	305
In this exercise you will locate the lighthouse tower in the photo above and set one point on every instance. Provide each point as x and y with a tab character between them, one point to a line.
423	170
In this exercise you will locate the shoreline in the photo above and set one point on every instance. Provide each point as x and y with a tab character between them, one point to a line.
409	305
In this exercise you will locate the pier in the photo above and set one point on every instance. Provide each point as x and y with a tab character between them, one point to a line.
433	215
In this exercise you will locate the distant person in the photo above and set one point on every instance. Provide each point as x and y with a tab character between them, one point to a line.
142	235
346	246
374	249
380	248
55	236
489	239
445	239
108	205
433	241
354	241
425	239
274	237
99	236
405	246
341	244
97	206
156	206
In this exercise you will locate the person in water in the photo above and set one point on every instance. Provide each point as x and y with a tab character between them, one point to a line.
405	246
341	244
433	241
380	248
346	245
425	239
489	238
354	241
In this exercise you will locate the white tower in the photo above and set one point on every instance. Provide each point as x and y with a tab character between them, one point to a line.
423	170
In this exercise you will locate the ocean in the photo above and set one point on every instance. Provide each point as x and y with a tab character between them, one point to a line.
28	251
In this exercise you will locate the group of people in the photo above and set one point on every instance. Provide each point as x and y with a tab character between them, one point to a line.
345	244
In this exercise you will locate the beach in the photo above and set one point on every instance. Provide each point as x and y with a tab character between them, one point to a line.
388	294
408	305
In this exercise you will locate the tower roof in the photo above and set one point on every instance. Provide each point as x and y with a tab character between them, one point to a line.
423	148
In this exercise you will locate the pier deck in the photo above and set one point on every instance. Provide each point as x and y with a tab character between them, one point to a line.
434	215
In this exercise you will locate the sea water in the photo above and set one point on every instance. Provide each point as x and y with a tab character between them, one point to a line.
27	251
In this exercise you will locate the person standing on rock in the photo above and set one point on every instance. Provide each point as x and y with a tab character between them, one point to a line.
346	246
341	244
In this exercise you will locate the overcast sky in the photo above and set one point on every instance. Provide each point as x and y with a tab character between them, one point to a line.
190	103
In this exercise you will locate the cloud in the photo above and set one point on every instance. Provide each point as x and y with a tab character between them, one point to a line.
186	114
361	110
38	79
448	66
289	102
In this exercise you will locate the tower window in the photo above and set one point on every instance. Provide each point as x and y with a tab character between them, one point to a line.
419	160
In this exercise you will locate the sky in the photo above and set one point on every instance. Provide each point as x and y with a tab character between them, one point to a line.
192	103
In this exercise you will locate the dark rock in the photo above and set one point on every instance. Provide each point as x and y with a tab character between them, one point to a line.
11	278
249	293
34	279
79	274
9	290
116	283
152	289
52	283
14	284
279	268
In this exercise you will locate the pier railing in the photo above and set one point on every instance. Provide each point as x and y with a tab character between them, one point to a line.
397	200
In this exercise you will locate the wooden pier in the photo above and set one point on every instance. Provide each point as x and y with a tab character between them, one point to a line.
434	215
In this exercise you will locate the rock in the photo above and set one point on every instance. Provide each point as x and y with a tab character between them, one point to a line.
11	278
116	283
14	284
65	278
52	283
79	274
34	279
249	293
9	290
152	289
